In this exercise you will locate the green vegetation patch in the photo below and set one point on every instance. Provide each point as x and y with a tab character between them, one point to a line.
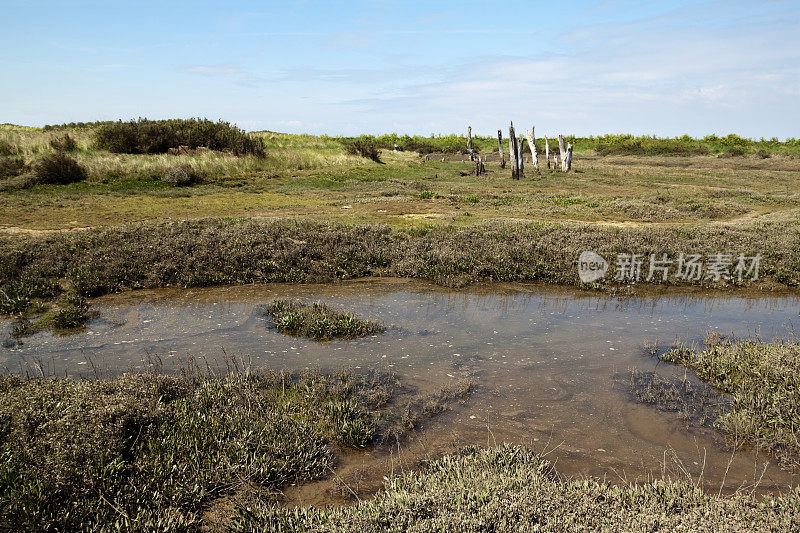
231	251
150	453
318	321
145	136
764	382
364	146
513	489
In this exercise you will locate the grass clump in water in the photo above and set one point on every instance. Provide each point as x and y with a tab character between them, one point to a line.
764	382
697	404
511	488
318	321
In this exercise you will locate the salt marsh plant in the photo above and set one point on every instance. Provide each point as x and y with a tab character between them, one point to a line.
150	453
512	488
763	381
318	321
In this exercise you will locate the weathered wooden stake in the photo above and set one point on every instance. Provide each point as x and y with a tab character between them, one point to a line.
500	147
520	159
469	144
532	146
547	150
512	152
569	158
480	169
562	148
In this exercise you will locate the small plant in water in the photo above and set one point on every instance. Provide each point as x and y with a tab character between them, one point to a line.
318	321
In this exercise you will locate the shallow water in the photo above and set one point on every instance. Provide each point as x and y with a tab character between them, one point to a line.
546	361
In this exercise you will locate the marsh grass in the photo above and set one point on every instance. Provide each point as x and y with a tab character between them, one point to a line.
763	380
237	251
150	452
318	321
71	314
512	488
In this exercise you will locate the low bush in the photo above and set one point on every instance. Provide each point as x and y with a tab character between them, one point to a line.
65	143
6	148
182	176
364	146
11	166
16	296
734	151
622	145
58	168
145	136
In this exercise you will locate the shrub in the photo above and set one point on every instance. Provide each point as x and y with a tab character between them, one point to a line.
11	166
58	168
6	148
65	143
145	136
629	145
733	152
364	146
182	176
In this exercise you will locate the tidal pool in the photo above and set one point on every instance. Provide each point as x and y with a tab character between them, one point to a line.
547	363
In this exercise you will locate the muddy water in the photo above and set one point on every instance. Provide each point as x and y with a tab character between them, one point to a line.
544	359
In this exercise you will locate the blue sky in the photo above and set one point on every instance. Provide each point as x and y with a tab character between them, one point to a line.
653	67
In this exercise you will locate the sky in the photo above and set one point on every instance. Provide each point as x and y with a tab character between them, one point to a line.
665	68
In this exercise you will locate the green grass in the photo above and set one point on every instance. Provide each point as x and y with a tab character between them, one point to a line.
318	321
307	176
763	380
511	488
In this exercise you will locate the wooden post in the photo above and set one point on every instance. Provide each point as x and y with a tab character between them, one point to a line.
480	169
569	158
469	144
562	148
500	147
534	153
512	152
547	150
520	158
